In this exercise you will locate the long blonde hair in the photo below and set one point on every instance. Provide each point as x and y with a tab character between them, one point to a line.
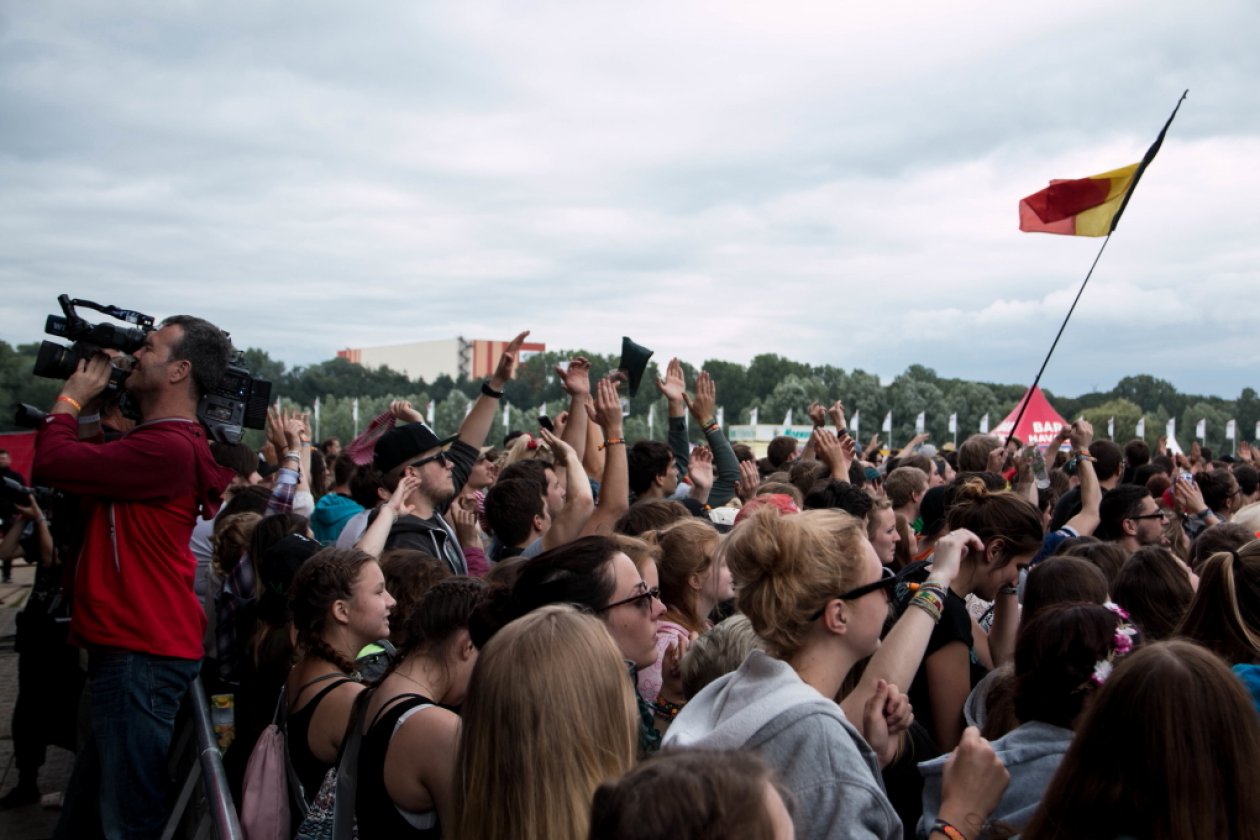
550	715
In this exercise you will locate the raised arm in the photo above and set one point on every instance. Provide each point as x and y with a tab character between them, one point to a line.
901	652
1085	522
614	492
576	381
477	424
674	389
703	406
578	504
372	541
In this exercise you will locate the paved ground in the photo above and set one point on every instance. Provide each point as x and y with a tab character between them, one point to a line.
33	821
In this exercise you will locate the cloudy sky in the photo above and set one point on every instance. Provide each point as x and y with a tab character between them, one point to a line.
834	182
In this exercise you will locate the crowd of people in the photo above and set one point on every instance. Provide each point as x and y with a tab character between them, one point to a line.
567	635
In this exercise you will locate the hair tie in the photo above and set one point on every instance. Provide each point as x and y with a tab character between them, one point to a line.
1233	552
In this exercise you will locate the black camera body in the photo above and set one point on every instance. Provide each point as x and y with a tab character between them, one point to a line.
239	402
59	361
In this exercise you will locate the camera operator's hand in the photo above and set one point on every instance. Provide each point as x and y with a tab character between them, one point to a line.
84	385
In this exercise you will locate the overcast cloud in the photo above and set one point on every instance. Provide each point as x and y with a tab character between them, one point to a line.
834	182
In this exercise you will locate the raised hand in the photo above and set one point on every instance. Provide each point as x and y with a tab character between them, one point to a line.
832	452
564	455
404	412
700	470
703	403
463	516
605	409
836	412
88	380
1081	434
817	414
674	385
949	554
972	784
506	368
576	379
749	478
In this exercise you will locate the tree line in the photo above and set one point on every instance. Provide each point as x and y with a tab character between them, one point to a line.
770	384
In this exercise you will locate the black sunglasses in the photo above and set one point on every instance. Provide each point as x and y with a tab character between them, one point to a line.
887	579
1162	514
638	600
442	458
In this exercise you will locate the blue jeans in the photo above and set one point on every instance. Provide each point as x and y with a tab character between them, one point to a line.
135	698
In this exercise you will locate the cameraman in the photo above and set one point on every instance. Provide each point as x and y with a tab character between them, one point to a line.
134	606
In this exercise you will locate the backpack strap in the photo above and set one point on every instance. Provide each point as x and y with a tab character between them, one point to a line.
348	769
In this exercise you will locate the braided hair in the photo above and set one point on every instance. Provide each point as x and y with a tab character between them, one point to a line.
327	577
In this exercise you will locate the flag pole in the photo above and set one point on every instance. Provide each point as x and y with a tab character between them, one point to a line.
1115	221
1028	396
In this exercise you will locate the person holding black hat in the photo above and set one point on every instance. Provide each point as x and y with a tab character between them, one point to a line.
414	450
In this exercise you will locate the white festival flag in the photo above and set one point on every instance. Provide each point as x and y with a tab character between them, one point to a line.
888	423
953	424
920	423
984	425
752	418
354	413
1200	429
507	417
651	419
787	418
317	418
1171	430
721	417
1141	427
1231	430
854	426
431	413
1111	428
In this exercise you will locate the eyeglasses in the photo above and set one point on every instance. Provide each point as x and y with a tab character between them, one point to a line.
642	599
1159	514
887	579
442	458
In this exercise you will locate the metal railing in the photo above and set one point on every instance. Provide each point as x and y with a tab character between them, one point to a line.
218	812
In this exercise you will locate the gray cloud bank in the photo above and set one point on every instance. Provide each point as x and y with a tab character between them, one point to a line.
834	184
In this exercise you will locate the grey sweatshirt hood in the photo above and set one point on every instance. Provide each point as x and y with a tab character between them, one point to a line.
728	712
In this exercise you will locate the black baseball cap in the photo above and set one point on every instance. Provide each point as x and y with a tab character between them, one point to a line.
403	443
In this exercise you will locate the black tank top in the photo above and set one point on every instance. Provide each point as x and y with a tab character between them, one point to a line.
310	770
377	814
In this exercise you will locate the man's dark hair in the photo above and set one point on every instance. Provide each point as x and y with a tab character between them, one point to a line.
840	495
780	450
206	347
1116	506
364	484
645	461
1143	474
1108	458
237	457
529	469
511	505
650	515
1215	487
1248	478
1137	452
343	470
1224	536
805	474
743	452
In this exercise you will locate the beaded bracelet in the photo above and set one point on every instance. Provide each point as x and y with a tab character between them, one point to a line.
948	830
930	602
667	710
612	442
711	426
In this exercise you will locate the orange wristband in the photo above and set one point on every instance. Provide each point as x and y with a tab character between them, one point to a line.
70	401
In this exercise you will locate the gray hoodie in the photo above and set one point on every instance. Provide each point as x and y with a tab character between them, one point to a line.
1031	753
821	758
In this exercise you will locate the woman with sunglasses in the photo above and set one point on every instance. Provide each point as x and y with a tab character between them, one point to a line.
594	574
816	593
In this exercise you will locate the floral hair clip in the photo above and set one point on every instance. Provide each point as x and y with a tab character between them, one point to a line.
1121	645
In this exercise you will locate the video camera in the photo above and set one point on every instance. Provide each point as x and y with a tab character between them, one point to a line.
237	403
19	494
